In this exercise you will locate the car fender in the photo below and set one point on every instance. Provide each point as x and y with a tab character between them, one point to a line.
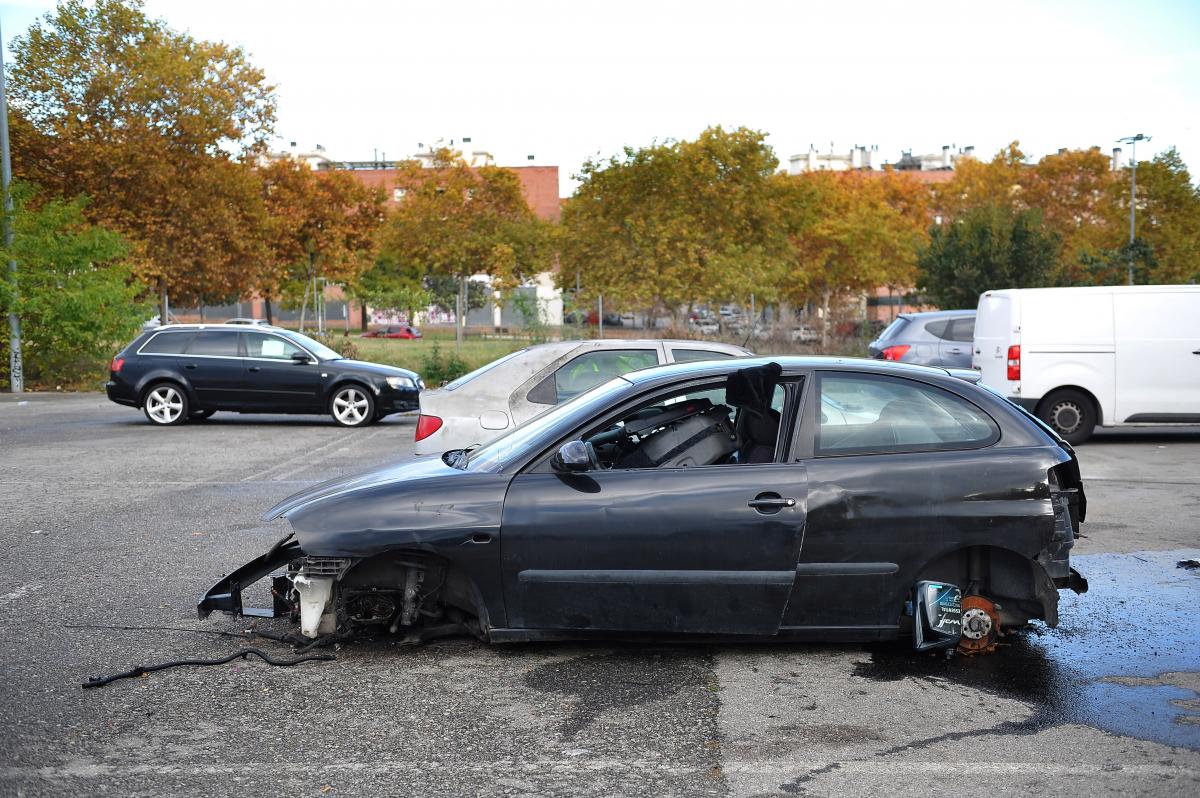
338	380
165	375
423	505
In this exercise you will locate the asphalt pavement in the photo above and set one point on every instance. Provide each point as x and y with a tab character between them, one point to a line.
108	522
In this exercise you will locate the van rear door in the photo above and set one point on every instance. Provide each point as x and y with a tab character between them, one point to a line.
1157	338
996	329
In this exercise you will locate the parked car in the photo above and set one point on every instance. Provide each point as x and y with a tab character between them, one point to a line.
805	335
405	331
190	371
1081	357
938	338
678	501
505	393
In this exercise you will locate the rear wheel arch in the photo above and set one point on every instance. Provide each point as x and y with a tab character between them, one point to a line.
1017	584
1077	403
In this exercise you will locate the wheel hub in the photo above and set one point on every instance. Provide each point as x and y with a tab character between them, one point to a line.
980	626
1066	416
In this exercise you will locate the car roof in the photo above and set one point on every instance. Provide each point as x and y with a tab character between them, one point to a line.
219	325
623	343
939	314
790	364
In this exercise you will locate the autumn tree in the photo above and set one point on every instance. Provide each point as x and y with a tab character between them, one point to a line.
320	225
457	220
865	231
987	247
667	225
156	127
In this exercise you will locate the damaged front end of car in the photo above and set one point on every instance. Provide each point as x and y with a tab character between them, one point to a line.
336	598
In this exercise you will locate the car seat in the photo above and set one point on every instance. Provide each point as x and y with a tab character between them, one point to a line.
750	390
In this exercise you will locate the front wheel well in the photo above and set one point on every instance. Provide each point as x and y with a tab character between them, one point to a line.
439	584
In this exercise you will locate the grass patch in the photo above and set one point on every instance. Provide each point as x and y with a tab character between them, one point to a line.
413	355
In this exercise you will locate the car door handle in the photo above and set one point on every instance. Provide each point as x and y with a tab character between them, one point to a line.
770	503
956	351
255	368
1197	352
480	537
190	366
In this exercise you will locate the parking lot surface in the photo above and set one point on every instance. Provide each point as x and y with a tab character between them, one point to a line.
110	529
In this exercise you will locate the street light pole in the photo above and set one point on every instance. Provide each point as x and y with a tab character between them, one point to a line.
16	366
1132	141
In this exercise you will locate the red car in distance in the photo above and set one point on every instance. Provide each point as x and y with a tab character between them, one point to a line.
395	331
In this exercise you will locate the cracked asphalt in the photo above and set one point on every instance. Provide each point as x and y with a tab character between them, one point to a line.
108	522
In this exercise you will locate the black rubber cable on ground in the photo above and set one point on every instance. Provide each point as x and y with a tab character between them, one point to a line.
140	670
247	634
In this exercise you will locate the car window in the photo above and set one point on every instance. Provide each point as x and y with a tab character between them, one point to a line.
691	355
689	428
593	368
938	328
215	343
894	329
463	380
270	347
873	414
962	329
167	344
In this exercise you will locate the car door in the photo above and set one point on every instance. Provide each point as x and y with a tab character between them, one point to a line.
1157	356
881	472
954	348
709	549
213	365
274	381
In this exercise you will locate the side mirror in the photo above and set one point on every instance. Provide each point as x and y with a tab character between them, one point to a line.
301	358
574	457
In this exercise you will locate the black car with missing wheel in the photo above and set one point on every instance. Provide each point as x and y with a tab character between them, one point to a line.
794	499
183	372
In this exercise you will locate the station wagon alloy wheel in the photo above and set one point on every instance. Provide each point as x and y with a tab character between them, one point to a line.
166	405
353	407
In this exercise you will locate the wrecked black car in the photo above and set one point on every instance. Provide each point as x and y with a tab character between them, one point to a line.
793	499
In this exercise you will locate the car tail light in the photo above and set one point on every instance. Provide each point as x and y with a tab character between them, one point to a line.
1014	362
116	364
895	352
426	426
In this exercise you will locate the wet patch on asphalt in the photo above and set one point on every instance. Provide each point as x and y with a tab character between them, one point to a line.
615	681
1125	657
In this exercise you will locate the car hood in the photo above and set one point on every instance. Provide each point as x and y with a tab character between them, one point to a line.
363	366
420	468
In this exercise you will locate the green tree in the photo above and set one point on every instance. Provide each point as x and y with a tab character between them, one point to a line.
663	226
987	247
77	301
1168	218
157	128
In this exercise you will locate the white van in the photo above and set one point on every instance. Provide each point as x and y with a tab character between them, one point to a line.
1078	357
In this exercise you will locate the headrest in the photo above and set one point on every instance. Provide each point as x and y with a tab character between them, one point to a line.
752	387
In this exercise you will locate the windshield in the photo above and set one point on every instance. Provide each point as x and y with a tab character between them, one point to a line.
316	347
494	455
464	379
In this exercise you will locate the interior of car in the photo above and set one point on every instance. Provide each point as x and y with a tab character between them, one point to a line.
735	421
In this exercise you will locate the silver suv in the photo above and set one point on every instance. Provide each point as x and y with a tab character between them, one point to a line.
939	338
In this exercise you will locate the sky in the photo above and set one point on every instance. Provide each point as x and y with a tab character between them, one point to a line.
571	80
